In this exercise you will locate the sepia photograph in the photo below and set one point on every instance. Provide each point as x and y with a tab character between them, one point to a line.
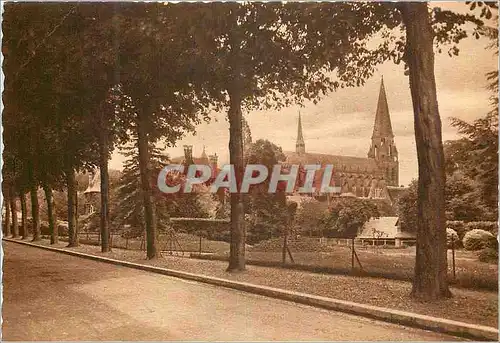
249	171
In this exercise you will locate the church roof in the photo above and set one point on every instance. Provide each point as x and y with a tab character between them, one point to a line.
341	163
382	126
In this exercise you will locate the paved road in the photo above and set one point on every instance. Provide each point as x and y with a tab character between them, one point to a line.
51	296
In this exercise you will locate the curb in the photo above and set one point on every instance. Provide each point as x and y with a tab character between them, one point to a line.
441	325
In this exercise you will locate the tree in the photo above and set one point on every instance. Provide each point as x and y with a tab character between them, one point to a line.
476	155
267	211
161	102
407	207
430	281
347	216
129	207
271	55
310	216
24	216
6	207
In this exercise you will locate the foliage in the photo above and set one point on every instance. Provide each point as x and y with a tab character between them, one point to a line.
462	227
346	216
310	217
267	213
488	255
478	239
476	155
463	203
491	227
463	200
406	206
127	208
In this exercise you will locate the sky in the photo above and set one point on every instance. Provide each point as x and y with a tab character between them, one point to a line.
342	122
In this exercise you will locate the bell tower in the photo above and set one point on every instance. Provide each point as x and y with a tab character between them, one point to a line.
383	148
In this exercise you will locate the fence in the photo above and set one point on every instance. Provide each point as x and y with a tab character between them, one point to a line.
326	255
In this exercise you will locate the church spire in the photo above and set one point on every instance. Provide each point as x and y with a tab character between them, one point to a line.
382	126
383	148
300	146
204	157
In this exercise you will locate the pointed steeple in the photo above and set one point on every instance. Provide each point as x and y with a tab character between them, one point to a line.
300	146
382	126
204	157
383	148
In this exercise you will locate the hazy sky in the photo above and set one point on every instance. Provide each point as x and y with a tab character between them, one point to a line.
342	122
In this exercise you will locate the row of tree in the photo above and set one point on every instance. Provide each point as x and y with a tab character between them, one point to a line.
86	77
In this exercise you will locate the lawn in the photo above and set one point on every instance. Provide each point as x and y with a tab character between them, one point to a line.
310	255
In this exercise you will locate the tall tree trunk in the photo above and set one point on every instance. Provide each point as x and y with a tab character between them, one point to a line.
6	224
35	214
149	208
51	214
13	210
24	215
105	247
72	208
430	281
238	233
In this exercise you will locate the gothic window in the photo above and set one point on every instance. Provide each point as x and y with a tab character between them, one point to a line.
390	150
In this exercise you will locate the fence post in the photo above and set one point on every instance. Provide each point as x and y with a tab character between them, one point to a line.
200	245
453	255
352	254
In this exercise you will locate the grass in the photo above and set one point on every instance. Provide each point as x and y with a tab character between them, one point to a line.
310	255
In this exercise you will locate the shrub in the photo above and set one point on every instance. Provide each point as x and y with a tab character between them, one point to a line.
491	227
452	238
458	226
478	239
488	255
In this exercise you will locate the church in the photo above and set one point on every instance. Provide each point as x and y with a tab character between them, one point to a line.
375	176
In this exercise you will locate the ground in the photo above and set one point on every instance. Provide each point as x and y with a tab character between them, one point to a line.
384	262
52	296
466	305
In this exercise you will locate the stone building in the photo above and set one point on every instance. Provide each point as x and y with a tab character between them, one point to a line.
375	176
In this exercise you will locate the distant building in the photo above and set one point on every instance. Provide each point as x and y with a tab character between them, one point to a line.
385	231
375	176
92	194
204	159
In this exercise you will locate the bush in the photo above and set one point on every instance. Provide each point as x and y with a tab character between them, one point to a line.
458	226
452	238
478	239
462	228
488	255
491	227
